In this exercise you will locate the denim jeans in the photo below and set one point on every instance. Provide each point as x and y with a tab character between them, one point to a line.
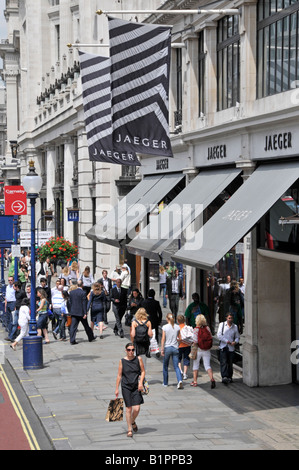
58	318
163	290
10	307
14	325
169	352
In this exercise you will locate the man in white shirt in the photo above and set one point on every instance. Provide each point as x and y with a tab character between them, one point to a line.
9	303
57	300
229	336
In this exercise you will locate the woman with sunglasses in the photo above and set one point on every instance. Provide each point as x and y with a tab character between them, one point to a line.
131	375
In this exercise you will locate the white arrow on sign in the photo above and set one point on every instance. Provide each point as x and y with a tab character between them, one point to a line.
18	206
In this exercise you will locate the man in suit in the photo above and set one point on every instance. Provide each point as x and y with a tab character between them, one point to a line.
174	292
78	311
154	311
119	305
107	283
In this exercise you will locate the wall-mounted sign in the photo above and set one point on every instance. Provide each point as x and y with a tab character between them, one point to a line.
15	200
281	141
162	164
217	152
73	215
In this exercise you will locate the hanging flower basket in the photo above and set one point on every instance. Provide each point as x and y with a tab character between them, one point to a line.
57	249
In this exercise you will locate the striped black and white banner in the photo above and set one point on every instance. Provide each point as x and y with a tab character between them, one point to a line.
95	75
140	65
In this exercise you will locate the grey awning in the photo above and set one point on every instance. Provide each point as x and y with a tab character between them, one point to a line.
120	222
160	237
238	215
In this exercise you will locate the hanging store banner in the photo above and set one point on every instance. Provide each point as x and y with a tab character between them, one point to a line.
140	65
95	75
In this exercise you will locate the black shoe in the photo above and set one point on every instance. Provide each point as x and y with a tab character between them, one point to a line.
121	335
116	333
213	384
225	380
74	342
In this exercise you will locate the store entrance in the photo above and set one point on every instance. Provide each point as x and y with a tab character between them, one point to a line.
295	322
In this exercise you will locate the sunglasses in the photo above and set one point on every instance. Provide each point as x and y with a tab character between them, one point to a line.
131	349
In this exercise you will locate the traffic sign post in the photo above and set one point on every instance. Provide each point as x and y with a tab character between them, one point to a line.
15	200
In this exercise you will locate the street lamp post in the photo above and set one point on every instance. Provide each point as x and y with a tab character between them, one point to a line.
32	344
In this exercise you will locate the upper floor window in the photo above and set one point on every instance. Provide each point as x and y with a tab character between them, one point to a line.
277	46
179	89
228	62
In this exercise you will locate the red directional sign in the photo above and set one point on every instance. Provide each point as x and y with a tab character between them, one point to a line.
15	200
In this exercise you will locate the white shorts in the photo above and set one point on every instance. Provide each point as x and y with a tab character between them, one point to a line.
206	357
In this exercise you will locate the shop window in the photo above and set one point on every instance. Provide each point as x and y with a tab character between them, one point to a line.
279	228
277	46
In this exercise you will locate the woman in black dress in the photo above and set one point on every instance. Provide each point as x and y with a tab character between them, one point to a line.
131	376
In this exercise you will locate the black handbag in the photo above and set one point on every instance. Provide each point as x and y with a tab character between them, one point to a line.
128	318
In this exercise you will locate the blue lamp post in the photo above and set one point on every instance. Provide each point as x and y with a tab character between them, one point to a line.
32	344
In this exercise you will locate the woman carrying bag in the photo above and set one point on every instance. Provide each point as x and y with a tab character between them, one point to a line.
131	375
202	336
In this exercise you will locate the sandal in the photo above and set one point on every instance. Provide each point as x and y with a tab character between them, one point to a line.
135	427
129	434
193	384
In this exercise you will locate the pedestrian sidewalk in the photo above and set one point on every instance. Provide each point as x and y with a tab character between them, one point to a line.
70	395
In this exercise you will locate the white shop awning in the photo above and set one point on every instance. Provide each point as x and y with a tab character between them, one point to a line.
120	222
158	239
238	215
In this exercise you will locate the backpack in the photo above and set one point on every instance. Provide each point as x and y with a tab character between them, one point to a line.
141	333
187	334
205	339
42	270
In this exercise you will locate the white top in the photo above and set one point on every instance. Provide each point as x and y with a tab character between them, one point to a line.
10	294
57	298
126	279
171	334
230	334
24	315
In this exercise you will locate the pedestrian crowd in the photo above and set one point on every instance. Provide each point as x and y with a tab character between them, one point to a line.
185	338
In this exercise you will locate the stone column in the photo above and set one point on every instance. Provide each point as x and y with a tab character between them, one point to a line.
190	85
250	347
51	165
12	92
210	68
248	55
191	272
69	150
85	202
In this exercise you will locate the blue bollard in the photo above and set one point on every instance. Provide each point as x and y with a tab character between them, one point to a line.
32	353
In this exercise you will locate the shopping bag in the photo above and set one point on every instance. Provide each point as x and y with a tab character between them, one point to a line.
145	390
154	346
193	353
115	410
